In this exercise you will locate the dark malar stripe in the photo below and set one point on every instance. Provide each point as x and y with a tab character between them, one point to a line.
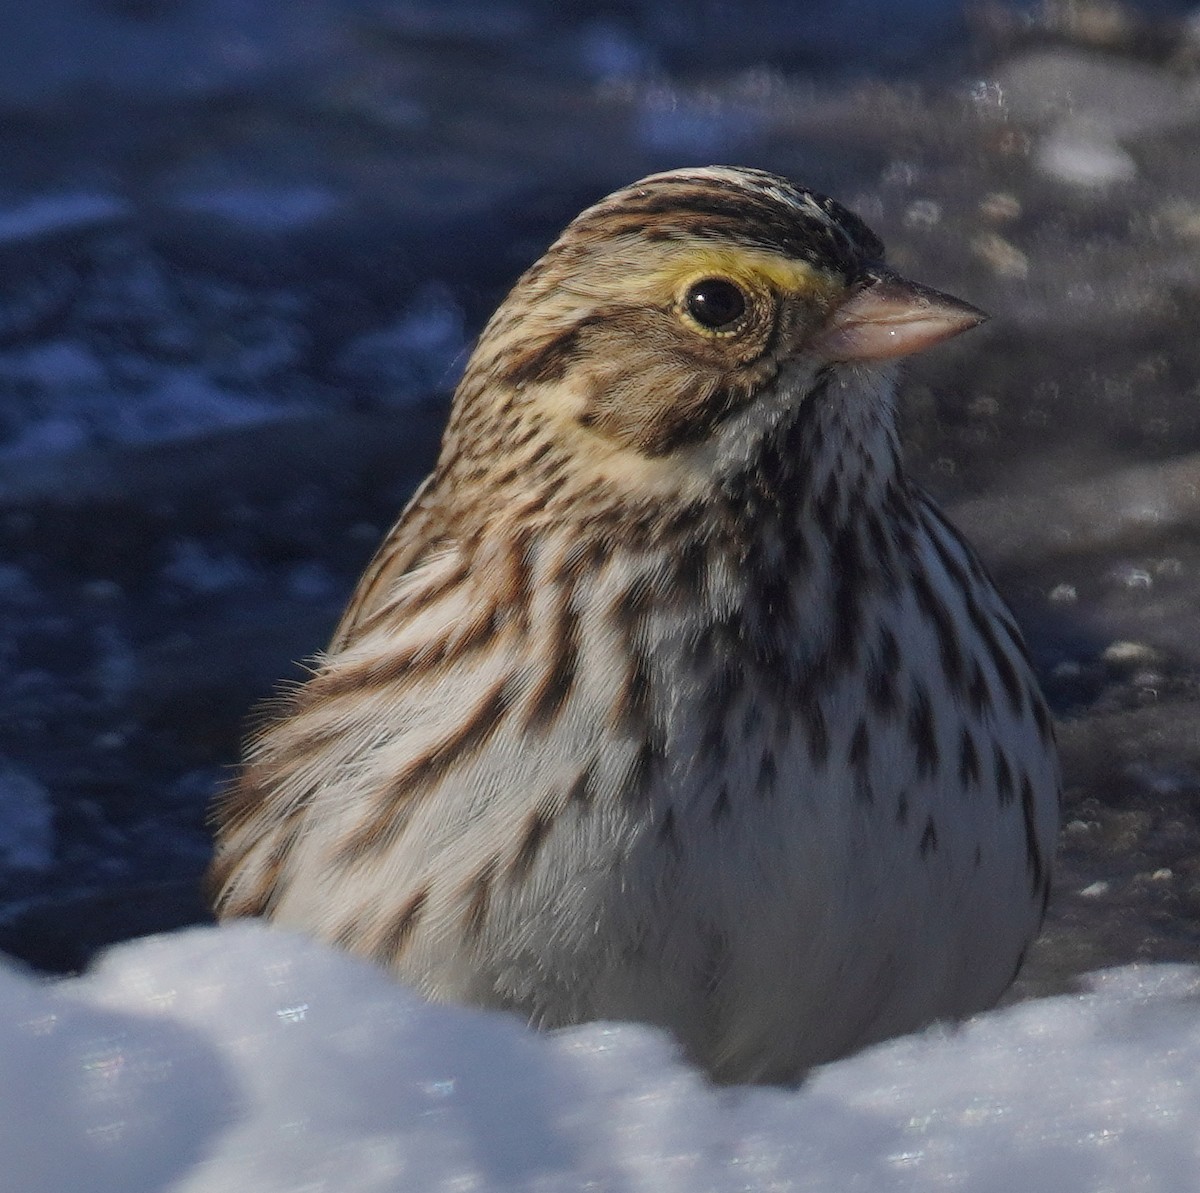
693	422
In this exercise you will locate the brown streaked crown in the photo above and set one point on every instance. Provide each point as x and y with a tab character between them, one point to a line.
743	206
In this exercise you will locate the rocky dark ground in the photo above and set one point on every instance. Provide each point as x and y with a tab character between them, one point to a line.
230	317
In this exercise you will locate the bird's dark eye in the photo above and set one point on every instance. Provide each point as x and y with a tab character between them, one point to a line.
715	303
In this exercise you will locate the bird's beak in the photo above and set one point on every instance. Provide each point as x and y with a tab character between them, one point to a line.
891	317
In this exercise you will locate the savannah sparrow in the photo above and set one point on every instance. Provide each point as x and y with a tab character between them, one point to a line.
670	697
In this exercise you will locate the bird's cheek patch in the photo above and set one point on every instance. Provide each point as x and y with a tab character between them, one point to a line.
654	411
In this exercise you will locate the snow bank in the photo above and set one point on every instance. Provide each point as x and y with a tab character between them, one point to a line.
244	1058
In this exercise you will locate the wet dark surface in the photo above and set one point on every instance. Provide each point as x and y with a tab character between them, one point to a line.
231	316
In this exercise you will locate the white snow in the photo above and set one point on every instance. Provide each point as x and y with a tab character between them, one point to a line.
244	1058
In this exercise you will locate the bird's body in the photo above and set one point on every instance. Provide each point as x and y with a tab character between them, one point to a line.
669	697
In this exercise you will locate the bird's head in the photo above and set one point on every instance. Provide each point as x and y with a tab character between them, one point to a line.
691	311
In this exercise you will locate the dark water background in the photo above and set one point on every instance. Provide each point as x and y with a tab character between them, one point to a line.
244	248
